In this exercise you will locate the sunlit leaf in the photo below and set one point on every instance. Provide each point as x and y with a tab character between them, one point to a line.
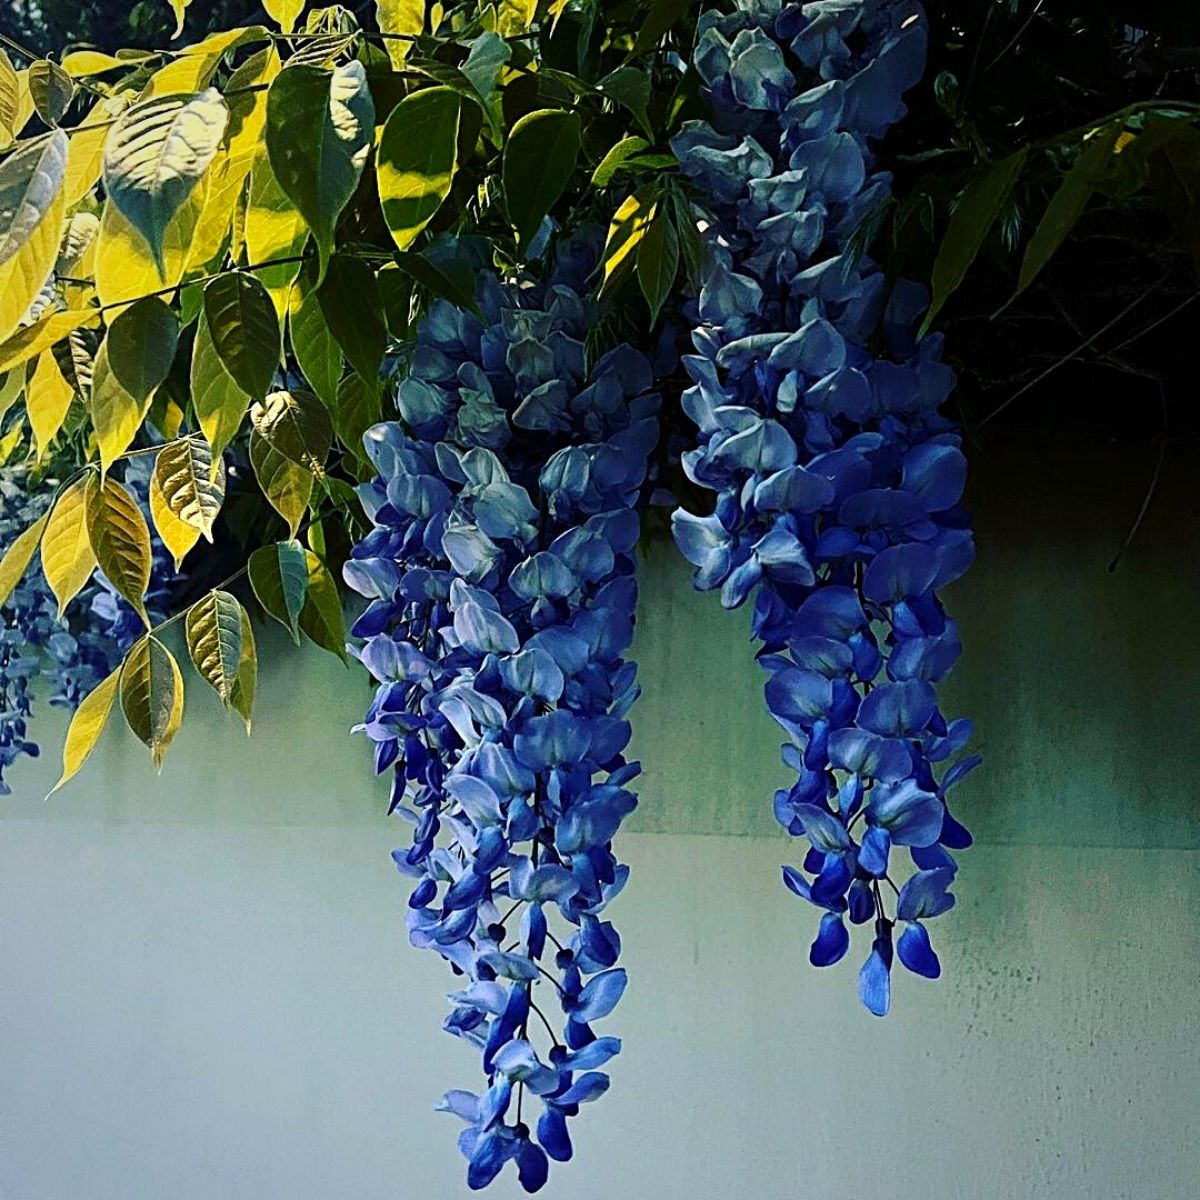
85	157
178	7
155	155
321	617
319	132
625	233
274	230
83	64
296	425
120	539
31	214
539	159
213	627
133	360
415	162
193	491
86	726
10	97
279	576
67	556
481	68
611	163
284	13
29	342
48	397
177	535
192	68
152	695
19	555
399	17
12	387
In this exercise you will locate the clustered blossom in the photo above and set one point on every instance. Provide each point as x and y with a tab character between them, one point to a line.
500	571
68	656
838	481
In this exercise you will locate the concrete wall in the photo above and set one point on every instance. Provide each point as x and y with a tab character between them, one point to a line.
206	991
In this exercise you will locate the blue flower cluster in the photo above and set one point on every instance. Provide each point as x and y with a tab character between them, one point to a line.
500	572
838	481
68	656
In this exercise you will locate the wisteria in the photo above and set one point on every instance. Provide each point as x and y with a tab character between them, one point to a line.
838	481
500	571
67	657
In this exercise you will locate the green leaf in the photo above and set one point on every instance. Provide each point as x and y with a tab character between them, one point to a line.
625	233
219	403
133	360
273	230
31	213
287	487
279	576
245	683
691	244
19	555
972	220
486	59
358	408
296	425
86	727
120	539
630	87
152	695
444	270
67	556
662	15
399	16
353	310
186	481
539	160
611	163
244	330
51	88
321	616
395	290
415	162
213	627
1067	204
319	133
315	347
658	262
156	154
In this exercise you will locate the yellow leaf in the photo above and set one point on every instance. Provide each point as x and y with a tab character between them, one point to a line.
29	342
321	617
86	154
10	97
152	695
188	483
18	556
287	485
627	229
274	229
400	16
120	539
82	64
179	7
67	556
194	66
11	384
177	535
125	267
30	229
86	726
246	684
284	12
47	400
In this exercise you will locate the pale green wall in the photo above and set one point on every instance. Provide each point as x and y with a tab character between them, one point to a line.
206	991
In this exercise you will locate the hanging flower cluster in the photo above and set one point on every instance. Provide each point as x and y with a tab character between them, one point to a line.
838	482
68	656
500	571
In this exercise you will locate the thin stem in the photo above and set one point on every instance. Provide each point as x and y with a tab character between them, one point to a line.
163	291
1073	354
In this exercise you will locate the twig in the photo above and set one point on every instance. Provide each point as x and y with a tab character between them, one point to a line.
1073	354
